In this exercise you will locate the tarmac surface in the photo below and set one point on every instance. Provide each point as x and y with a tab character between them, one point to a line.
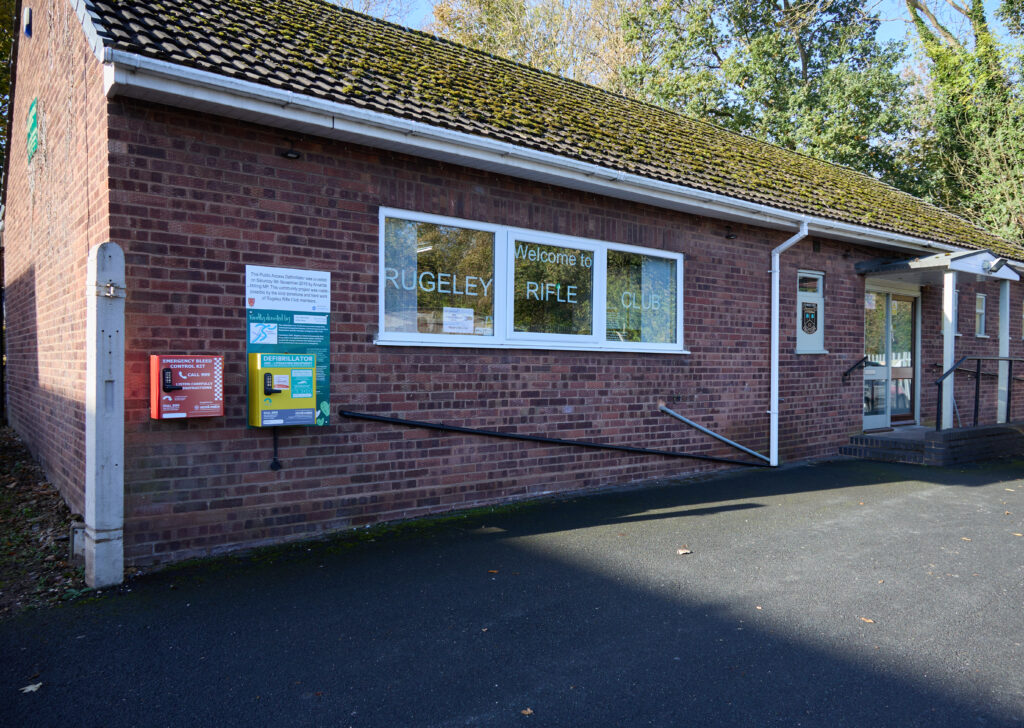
838	594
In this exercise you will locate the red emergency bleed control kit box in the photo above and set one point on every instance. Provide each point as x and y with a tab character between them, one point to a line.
183	386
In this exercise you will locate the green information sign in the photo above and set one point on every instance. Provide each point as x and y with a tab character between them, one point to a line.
288	312
33	129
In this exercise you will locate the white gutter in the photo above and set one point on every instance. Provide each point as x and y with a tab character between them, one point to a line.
773	407
137	76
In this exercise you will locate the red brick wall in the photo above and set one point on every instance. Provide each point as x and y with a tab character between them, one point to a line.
56	210
196	198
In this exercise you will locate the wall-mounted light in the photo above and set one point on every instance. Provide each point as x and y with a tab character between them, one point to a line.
991	266
26	22
729	234
291	152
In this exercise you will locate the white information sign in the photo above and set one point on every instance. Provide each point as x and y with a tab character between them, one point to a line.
457	320
287	289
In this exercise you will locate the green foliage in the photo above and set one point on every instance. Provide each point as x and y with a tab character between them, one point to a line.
577	39
7	30
807	76
971	118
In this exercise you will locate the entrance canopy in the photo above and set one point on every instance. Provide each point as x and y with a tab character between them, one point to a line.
928	271
943	269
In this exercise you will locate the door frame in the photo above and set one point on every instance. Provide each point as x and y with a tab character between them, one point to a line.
890	288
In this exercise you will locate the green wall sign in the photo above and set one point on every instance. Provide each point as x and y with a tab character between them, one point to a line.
288	313
33	129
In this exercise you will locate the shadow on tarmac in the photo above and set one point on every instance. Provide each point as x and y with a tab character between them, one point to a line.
472	622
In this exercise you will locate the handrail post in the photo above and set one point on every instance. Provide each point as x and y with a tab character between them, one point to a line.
977	391
1009	390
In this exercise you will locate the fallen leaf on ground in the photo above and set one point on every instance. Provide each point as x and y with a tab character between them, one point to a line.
492	571
683	551
528	711
964	538
1018	534
865	619
1009	490
31	688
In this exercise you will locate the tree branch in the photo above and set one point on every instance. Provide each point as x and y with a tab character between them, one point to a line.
915	7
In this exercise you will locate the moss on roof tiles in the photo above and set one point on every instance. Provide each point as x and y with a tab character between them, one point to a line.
315	48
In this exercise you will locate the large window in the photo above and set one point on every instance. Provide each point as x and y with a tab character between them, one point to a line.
438	279
448	282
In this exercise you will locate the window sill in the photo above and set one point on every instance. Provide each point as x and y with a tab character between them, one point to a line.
529	345
811	351
982	336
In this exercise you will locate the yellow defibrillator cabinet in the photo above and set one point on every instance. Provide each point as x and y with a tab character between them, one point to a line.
282	390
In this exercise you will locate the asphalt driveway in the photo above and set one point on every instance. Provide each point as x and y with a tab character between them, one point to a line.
840	594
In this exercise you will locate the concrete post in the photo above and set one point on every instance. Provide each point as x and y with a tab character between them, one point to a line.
948	345
1004	347
104	417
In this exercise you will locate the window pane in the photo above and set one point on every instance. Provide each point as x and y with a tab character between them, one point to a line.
553	289
808	284
641	301
438	279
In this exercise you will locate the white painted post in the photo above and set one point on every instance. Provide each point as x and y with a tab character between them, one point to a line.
948	345
104	417
1004	347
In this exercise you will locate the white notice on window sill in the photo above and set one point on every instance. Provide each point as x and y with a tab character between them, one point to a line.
458	320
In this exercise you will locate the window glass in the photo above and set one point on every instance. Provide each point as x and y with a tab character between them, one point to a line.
979	315
553	289
641	298
808	284
438	279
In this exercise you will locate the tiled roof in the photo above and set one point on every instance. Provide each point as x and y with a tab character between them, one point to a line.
312	47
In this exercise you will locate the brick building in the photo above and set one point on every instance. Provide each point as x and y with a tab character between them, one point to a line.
499	250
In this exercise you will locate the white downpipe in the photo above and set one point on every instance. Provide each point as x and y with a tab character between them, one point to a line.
104	417
773	407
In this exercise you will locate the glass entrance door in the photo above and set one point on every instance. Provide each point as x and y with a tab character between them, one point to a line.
901	352
889	339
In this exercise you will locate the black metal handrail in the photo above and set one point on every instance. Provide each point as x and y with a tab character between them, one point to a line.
855	366
972	372
977	385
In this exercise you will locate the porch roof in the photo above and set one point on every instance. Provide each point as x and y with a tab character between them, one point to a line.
928	270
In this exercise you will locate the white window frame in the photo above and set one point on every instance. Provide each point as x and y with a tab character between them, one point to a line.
980	306
504	337
819	298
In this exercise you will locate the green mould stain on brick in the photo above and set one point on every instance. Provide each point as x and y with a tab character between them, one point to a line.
486	283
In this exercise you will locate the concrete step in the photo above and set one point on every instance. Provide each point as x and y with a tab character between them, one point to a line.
886	443
911	456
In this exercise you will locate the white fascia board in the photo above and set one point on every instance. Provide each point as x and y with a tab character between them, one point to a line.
180	86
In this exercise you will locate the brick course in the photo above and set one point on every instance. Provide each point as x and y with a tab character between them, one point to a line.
56	210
